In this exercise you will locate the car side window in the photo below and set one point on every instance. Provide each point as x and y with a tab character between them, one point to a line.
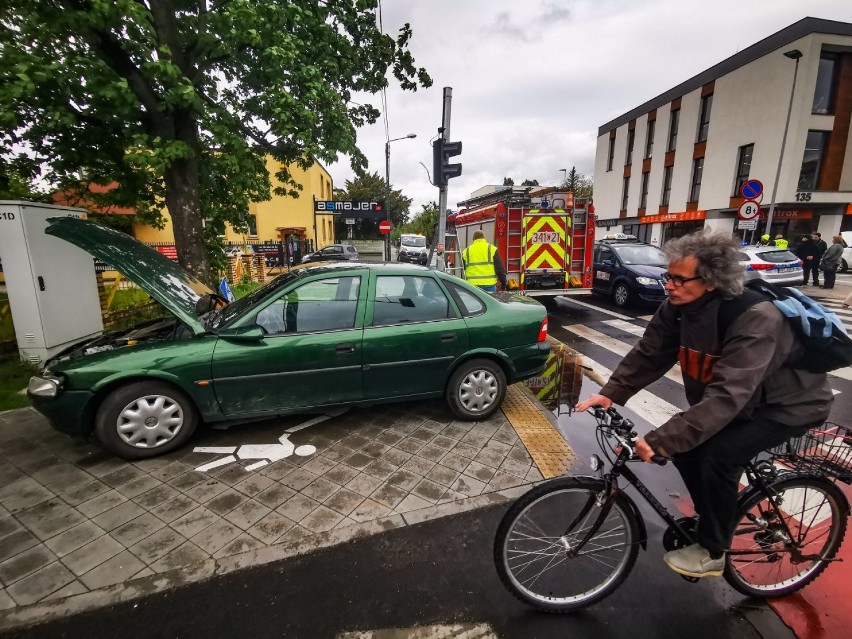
607	254
408	298
467	301
322	305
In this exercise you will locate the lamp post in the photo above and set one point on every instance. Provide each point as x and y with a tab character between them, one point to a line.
387	184
564	176
793	54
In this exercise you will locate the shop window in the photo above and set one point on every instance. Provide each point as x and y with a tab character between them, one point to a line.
812	160
624	189
743	167
697	171
673	230
649	138
667	185
252	226
673	126
704	120
611	154
824	93
631	137
643	197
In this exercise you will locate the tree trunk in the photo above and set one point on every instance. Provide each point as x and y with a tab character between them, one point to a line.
182	200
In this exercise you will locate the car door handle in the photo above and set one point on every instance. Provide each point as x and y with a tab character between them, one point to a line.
348	347
448	337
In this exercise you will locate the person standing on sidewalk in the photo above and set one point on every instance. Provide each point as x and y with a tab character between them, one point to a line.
483	266
807	252
830	261
821	248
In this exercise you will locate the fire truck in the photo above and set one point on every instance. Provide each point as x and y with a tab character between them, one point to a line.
544	236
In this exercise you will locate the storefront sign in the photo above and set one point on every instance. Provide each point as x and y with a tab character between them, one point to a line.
170	251
615	221
787	214
364	209
686	216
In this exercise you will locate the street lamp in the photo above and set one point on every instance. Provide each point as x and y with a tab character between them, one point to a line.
793	54
387	184
564	176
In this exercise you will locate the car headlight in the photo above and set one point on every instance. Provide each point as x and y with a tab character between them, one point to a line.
646	281
44	386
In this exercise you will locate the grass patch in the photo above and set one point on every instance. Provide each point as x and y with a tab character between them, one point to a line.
244	289
128	298
14	375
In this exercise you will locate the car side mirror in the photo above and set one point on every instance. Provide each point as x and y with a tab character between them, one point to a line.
252	333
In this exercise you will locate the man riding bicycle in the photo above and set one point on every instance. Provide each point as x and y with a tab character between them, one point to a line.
743	398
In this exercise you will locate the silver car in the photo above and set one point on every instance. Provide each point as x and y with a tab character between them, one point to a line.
771	264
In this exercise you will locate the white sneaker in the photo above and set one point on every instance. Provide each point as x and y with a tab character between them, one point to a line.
694	561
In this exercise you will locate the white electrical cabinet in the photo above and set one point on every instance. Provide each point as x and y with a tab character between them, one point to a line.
53	292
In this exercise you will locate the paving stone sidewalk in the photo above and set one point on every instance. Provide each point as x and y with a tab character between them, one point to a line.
74	519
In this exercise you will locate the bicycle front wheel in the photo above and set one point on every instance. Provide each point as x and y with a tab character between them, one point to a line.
779	550
537	548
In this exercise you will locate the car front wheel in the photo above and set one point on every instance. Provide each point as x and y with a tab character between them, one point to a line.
844	266
145	419
621	294
476	389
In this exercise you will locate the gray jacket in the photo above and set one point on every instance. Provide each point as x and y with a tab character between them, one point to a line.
830	260
740	376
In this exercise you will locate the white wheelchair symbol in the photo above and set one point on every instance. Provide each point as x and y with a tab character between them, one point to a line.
266	453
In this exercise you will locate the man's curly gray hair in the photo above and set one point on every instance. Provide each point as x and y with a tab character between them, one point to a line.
718	258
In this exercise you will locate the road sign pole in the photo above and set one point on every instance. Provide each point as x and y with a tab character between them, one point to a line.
442	193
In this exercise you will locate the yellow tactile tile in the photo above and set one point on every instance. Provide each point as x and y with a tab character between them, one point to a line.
548	449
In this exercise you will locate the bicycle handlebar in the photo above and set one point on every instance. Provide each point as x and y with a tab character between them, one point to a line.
611	418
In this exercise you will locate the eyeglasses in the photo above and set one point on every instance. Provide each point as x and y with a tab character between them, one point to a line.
677	280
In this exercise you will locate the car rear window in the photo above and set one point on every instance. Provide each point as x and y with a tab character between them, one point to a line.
777	257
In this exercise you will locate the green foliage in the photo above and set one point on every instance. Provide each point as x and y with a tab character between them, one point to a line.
423	223
243	289
7	330
580	184
16	183
129	298
14	375
180	103
530	183
370	186
507	181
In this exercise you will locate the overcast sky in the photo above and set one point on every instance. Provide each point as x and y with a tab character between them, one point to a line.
533	80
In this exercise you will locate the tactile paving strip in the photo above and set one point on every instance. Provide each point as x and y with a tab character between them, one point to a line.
548	449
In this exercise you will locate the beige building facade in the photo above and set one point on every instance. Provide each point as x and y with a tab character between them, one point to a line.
677	163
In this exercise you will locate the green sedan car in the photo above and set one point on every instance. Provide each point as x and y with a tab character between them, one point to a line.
322	336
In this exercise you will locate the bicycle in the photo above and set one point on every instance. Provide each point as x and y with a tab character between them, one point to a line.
571	541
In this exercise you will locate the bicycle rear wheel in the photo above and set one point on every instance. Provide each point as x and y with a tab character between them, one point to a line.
763	561
534	539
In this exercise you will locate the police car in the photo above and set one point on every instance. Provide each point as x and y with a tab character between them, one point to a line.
628	270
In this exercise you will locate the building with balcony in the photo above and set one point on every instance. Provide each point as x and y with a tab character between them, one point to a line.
676	163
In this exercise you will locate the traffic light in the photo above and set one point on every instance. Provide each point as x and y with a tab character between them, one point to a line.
441	152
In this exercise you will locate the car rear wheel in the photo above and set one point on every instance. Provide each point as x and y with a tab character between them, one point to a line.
145	419
621	294
476	389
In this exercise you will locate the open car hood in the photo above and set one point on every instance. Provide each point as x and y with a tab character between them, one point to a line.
157	275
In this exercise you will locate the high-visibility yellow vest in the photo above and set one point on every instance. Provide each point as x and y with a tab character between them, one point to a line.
781	243
479	263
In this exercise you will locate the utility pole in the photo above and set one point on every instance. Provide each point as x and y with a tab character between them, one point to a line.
442	183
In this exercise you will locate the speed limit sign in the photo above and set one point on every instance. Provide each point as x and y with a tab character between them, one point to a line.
748	210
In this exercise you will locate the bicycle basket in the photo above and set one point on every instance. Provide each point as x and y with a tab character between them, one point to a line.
825	451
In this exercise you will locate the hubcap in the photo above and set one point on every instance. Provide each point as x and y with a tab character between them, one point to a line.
478	391
149	421
621	295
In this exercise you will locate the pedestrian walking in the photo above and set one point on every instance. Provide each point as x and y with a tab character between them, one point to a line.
807	252
483	265
830	261
742	397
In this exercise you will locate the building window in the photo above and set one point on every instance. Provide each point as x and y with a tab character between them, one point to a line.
667	185
743	167
625	187
649	138
631	136
673	124
611	154
252	226
643	198
825	84
704	121
812	160
697	170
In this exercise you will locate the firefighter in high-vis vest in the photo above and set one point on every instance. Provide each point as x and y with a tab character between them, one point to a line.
483	266
780	242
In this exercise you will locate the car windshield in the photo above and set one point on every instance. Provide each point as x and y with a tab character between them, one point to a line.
413	241
776	257
641	255
222	316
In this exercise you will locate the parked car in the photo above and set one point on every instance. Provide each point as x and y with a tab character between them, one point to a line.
846	256
332	252
775	265
320	336
628	270
412	248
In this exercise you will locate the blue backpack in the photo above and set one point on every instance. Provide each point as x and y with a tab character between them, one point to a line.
827	344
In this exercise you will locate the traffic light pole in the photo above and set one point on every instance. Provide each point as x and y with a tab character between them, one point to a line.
442	185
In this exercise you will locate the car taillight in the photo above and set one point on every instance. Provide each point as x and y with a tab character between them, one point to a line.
542	332
760	267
